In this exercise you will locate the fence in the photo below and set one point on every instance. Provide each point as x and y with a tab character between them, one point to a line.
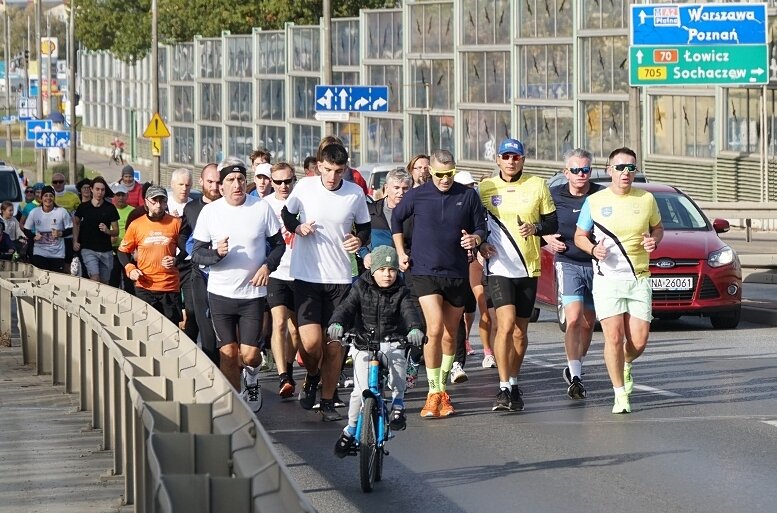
180	435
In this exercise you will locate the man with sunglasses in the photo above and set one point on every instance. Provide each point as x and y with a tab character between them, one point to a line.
448	221
619	227
284	340
520	210
574	270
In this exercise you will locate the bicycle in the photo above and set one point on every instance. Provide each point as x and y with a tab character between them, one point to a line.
372	426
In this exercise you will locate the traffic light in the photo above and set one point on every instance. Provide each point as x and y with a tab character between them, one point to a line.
26	57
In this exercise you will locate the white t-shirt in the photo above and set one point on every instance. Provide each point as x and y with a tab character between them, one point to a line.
42	223
283	272
248	226
320	257
174	208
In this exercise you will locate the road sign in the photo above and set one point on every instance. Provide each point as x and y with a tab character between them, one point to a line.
33	92
699	24
701	65
9	120
156	147
351	98
27	108
698	44
52	139
34	126
156	127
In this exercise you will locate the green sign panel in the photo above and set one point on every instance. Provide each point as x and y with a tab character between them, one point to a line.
698	65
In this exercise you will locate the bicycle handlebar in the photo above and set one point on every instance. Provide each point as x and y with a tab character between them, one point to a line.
365	341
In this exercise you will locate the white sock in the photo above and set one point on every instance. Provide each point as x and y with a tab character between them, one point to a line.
504	384
513	380
575	367
619	390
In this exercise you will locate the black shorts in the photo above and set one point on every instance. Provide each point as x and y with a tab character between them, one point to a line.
315	302
231	316
280	293
454	291
471	302
167	303
520	292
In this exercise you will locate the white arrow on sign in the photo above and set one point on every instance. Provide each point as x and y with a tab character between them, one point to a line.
326	101
642	16
361	102
343	99
757	71
639	55
377	104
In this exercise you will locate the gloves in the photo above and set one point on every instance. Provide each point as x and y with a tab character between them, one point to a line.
335	331
416	337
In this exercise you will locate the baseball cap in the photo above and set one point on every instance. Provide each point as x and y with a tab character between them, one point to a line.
156	191
511	146
119	188
384	256
464	178
263	169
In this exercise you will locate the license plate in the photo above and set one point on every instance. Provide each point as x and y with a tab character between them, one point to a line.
671	282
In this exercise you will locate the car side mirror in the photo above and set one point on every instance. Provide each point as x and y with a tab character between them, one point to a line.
721	225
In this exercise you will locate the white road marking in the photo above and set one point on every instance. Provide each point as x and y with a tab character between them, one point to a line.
770	422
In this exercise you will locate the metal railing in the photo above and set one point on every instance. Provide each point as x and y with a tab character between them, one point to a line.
747	210
180	435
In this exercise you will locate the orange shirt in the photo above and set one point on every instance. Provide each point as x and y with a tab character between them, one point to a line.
153	240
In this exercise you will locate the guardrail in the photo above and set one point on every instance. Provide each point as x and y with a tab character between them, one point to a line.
747	210
181	437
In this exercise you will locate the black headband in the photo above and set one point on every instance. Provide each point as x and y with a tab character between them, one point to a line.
236	168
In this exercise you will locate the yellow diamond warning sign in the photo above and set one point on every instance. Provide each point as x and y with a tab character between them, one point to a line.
156	127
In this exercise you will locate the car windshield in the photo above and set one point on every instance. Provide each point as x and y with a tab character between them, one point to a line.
9	187
678	212
378	178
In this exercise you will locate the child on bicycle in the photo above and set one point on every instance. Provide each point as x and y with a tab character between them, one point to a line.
383	304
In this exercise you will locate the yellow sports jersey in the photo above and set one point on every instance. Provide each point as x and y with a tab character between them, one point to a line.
68	200
621	221
510	204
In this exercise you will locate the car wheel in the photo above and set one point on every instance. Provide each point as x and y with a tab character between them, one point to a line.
726	320
535	315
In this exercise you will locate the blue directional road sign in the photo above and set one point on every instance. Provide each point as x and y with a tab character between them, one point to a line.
52	139
34	126
344	98
699	24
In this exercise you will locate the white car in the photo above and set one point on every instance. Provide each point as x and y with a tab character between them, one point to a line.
10	186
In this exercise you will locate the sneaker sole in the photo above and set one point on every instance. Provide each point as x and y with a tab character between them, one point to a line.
429	415
331	418
500	407
448	413
461	378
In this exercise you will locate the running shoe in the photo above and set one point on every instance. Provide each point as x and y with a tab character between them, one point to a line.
516	399
252	392
457	373
286	388
489	362
576	389
328	411
446	406
468	348
567	376
339	403
344	445
628	381
397	419
307	397
432	406
622	404
503	400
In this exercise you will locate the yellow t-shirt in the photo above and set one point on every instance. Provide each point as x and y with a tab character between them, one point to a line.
68	200
620	220
507	203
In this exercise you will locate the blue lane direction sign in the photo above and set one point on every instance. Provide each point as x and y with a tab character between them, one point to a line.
52	139
699	24
37	125
344	98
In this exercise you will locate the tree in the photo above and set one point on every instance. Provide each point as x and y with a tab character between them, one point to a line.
19	16
123	27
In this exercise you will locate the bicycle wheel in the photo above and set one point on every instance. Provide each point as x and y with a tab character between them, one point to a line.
368	451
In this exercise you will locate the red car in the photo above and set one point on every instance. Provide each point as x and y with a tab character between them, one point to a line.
693	271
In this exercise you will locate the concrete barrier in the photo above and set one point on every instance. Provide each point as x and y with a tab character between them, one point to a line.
180	436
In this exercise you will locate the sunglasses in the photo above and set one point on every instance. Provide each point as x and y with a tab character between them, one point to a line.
577	170
30	191
511	156
444	174
629	168
283	182
57	181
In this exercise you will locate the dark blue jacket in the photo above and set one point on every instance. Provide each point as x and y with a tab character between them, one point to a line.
438	218
568	210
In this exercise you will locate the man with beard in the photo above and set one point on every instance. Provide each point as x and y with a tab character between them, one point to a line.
155	238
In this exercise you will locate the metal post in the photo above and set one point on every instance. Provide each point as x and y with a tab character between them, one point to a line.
71	88
763	150
635	126
155	80
326	56
428	91
8	141
41	156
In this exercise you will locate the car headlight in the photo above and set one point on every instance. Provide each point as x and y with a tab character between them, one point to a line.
721	257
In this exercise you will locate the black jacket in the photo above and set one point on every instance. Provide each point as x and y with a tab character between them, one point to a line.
389	311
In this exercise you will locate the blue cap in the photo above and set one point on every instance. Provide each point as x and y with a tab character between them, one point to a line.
511	146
